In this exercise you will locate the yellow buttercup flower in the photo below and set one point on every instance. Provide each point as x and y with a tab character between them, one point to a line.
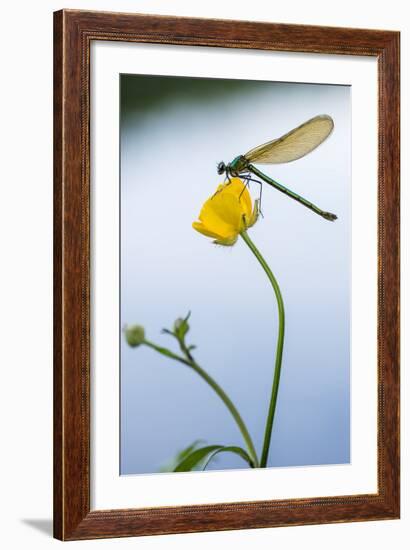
227	213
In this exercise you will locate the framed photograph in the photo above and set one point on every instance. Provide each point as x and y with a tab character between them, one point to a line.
226	288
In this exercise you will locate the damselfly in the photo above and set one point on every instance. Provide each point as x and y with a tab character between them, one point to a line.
292	146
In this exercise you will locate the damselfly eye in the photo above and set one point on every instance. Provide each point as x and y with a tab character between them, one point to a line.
221	168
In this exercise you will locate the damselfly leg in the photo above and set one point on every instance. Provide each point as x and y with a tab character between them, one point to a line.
247	178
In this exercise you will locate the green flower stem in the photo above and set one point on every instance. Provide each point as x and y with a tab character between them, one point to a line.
190	362
279	349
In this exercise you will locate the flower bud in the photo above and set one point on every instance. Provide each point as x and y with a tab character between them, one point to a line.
181	327
134	335
227	213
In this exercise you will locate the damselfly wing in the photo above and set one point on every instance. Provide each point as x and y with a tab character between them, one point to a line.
291	146
295	144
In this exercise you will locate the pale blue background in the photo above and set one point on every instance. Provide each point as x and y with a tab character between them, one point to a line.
173	133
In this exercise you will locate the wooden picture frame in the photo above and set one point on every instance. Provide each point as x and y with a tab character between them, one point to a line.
74	32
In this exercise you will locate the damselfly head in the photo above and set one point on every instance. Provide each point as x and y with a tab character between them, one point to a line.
221	168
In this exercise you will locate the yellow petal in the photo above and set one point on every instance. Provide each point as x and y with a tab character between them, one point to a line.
200	227
221	214
226	207
238	188
229	241
215	226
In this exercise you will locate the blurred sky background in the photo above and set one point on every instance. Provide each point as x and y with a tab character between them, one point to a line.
173	133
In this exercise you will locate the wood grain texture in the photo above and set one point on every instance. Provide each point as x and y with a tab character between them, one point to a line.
73	32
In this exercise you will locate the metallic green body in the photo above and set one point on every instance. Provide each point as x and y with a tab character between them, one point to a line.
327	215
240	165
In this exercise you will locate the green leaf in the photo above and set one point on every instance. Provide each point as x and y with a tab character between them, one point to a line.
189	462
237	450
188	450
173	463
209	452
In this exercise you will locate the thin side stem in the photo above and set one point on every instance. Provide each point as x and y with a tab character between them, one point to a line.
279	349
190	362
